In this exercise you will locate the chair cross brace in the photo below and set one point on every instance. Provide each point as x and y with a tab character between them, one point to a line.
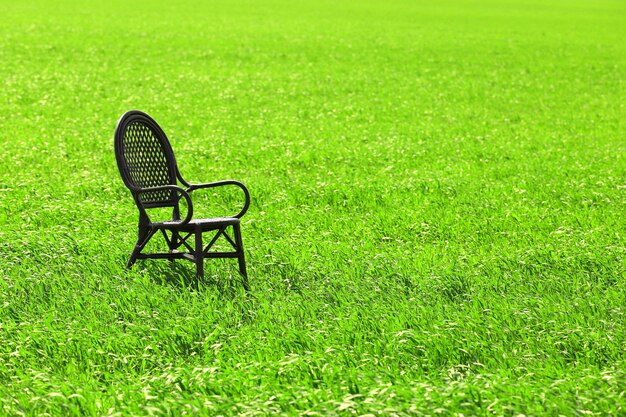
177	241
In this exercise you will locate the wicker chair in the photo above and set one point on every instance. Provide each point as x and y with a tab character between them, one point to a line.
148	167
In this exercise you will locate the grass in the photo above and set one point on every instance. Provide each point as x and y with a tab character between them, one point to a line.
437	224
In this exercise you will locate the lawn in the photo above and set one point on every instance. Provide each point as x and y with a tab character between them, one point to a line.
437	224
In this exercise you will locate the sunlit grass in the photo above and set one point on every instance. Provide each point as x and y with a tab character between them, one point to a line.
437	221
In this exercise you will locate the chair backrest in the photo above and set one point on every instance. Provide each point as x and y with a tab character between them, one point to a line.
145	158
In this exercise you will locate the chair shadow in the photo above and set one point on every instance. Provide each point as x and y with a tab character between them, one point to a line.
182	275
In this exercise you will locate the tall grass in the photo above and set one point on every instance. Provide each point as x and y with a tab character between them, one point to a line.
437	223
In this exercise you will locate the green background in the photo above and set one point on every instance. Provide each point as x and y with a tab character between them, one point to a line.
437	223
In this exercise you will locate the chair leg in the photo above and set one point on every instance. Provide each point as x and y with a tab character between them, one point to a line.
199	254
174	243
144	235
240	256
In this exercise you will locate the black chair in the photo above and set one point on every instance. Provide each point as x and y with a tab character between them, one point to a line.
148	167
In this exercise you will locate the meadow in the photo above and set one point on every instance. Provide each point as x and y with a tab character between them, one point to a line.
437	224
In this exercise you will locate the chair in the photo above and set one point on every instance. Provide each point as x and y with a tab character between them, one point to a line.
148	167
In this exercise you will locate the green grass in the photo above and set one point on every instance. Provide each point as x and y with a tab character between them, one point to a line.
437	224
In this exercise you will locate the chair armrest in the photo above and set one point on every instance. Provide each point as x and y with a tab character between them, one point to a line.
193	187
178	189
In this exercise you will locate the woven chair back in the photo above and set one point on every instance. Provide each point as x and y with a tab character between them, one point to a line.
145	158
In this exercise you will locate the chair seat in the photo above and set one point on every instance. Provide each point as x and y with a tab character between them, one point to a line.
204	224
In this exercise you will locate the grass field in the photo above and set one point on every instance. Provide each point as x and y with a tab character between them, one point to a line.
437	225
